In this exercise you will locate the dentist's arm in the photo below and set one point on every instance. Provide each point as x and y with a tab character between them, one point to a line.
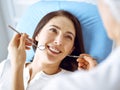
16	49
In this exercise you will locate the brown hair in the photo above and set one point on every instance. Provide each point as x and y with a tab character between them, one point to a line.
68	63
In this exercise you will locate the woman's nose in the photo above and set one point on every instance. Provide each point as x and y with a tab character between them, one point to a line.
58	40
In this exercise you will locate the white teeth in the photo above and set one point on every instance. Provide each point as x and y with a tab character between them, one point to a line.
54	50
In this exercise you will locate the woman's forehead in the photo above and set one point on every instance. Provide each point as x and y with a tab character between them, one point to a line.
61	22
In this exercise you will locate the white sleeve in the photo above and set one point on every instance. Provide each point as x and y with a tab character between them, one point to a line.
105	76
2	64
1	68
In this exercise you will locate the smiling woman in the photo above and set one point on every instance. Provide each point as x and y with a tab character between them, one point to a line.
61	26
61	34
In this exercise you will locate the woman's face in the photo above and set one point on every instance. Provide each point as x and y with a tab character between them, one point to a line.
58	35
108	19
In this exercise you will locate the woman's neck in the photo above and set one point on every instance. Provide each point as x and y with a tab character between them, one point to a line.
37	65
49	69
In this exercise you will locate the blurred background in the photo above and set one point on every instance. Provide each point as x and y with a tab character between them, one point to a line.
10	13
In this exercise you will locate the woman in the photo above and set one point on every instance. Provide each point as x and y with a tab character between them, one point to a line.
105	76
60	32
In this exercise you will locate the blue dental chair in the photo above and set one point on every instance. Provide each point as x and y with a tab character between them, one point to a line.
96	41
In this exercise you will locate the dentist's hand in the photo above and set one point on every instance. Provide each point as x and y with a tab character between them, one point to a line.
86	62
17	48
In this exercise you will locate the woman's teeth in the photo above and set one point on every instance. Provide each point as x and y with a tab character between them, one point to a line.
54	50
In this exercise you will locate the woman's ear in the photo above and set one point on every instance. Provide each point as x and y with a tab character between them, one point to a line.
71	50
37	38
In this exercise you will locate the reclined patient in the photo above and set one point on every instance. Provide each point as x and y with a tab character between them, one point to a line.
61	35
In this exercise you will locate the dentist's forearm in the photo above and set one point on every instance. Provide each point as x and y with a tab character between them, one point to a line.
17	78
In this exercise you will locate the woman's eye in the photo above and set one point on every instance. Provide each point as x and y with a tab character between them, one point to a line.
53	30
69	37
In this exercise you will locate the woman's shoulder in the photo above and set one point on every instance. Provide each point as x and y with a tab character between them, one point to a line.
4	65
63	71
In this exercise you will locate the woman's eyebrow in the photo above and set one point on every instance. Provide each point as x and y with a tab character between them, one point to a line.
56	26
